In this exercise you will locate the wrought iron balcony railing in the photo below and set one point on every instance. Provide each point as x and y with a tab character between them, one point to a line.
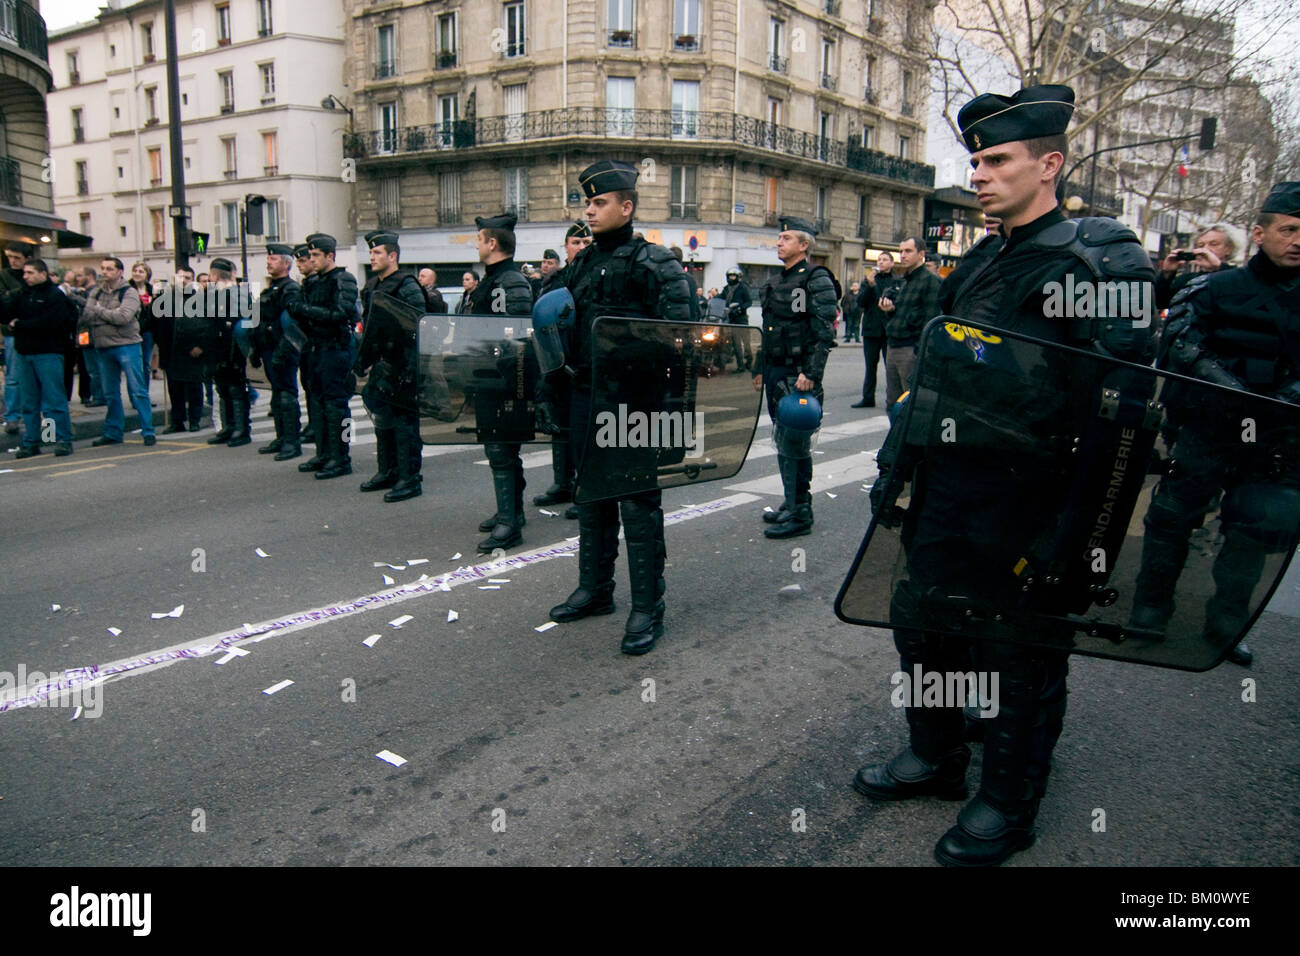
833	7
872	96
864	231
445	60
614	122
11	183
621	38
22	26
777	63
830	82
385	69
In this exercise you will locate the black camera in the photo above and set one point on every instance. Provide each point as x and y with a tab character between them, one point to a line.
1186	257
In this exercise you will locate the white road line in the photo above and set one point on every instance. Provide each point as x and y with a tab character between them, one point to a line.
762	446
826	475
33	694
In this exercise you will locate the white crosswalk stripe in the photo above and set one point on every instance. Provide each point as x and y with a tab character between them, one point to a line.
854	469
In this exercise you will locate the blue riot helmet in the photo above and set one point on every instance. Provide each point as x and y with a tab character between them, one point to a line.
798	416
553	315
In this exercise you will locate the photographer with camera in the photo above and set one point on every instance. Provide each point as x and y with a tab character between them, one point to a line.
1212	252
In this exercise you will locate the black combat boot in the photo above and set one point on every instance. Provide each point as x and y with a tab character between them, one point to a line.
386	451
560	491
597	552
316	422
340	460
782	513
291	446
521	517
798	519
276	443
505	534
907	776
242	430
409	481
227	417
643	532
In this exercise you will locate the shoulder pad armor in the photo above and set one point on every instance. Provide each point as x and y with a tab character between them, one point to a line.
657	253
1107	246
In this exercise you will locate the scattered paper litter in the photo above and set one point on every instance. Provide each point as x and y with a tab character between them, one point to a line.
5	471
115	631
819	453
545	627
399	621
489	587
274	688
767	508
379	564
412	562
370	641
422	577
55	607
455	557
397	567
389	757
261	554
550	514
445	585
177	611
76	713
790	590
231	654
387	580
498	580
829	495
451	616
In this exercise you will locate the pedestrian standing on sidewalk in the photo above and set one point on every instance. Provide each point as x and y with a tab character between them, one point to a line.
113	310
39	318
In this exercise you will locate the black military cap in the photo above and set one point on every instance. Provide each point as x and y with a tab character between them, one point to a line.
279	249
579	229
381	237
1283	198
506	222
17	245
322	241
607	176
301	251
224	264
795	224
551	254
991	119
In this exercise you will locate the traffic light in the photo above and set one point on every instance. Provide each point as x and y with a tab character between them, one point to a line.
198	243
1209	126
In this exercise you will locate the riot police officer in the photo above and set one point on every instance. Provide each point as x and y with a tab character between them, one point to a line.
503	290
229	373
326	309
799	308
737	296
390	392
576	238
276	350
622	275
1018	150
1234	327
302	256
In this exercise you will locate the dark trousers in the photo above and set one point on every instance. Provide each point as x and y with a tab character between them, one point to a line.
187	401
873	351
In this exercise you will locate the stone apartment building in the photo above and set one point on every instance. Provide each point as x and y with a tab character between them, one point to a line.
736	111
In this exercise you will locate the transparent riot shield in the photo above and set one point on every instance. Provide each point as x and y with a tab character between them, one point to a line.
1052	497
477	376
387	349
671	405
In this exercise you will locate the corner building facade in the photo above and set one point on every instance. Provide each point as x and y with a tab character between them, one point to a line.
736	112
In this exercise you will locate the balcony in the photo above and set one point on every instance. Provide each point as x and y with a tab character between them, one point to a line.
830	82
621	38
384	69
686	43
513	50
151	122
74	78
833	8
864	232
155	182
231	174
445	60
148	58
11	186
78	134
823	226
227	107
872	96
601	123
907	109
23	27
159	245
83	188
270	170
684	210
263	31
777	63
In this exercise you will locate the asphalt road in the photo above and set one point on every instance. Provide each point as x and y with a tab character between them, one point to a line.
528	747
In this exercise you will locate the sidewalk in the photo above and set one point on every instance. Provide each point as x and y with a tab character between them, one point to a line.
88	423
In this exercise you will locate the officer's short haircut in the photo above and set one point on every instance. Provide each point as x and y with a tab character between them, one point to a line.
1042	145
804	237
624	195
505	239
1227	237
38	264
1266	219
222	273
390	247
116	262
917	241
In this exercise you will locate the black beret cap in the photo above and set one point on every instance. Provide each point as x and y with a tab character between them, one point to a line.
322	241
381	237
580	229
279	249
1283	198
551	254
224	264
506	222
301	251
607	176
795	224
991	119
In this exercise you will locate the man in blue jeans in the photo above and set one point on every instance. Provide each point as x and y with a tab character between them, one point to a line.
11	280
113	308
39	317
